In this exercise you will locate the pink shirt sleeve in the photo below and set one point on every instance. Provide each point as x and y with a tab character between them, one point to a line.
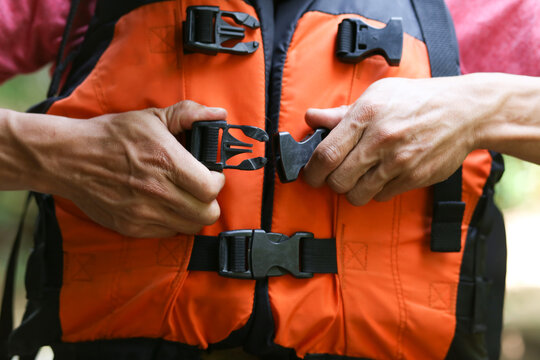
498	35
31	31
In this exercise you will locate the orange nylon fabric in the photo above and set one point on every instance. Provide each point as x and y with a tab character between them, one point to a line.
391	289
119	287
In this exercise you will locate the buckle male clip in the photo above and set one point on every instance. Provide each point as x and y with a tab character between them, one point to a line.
291	156
205	31
204	144
255	254
357	40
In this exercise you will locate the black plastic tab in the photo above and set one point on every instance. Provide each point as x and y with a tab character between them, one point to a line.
204	144
205	31
255	254
357	40
291	156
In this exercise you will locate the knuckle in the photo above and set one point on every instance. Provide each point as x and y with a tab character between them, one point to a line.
401	159
339	184
354	199
209	190
212	214
185	104
327	155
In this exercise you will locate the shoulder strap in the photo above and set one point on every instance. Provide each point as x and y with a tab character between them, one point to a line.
6	312
439	36
61	61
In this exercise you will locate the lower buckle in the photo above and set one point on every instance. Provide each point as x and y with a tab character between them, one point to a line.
255	254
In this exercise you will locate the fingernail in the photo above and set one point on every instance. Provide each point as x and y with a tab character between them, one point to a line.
216	110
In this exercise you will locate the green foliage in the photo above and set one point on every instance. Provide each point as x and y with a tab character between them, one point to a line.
24	91
520	184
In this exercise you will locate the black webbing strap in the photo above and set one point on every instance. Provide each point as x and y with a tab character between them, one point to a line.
6	312
204	26
439	36
61	62
317	255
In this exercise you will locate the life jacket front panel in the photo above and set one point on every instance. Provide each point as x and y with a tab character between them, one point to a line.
119	287
390	288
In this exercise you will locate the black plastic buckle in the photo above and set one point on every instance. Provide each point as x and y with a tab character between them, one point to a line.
205	31
204	144
357	40
291	156
255	254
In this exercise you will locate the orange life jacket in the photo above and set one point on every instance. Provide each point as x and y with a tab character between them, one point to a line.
94	291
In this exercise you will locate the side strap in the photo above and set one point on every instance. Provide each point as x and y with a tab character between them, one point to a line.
61	63
6	312
439	36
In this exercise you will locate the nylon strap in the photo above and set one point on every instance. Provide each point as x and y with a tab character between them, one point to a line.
317	255
6	312
61	62
439	37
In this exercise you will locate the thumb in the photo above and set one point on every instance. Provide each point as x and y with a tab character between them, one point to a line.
180	116
326	118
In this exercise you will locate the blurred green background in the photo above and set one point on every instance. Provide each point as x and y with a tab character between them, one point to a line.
518	196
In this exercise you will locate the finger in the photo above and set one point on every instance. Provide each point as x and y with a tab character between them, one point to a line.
180	116
174	220
152	231
326	118
331	152
403	183
190	175
369	185
353	167
185	207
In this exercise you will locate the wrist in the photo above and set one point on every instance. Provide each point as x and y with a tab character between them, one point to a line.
505	110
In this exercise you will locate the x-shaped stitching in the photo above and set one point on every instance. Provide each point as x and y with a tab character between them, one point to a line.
168	256
357	255
82	273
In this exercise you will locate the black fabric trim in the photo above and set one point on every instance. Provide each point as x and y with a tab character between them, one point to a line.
6	312
126	349
286	14
380	10
331	357
41	323
480	295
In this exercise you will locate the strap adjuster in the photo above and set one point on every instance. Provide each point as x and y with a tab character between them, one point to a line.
205	31
255	254
357	40
204	144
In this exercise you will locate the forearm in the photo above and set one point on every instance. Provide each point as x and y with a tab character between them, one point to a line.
508	118
30	149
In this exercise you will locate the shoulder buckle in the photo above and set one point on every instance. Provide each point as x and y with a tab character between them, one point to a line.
205	31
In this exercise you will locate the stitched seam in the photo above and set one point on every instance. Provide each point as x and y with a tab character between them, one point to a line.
396	277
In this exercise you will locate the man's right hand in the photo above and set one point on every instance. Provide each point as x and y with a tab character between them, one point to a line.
129	173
